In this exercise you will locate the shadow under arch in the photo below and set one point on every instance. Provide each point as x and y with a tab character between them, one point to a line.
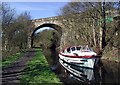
54	26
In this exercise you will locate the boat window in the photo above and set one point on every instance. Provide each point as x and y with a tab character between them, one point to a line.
91	49
78	48
83	48
68	50
73	48
88	49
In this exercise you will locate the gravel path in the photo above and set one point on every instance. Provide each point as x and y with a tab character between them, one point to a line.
12	73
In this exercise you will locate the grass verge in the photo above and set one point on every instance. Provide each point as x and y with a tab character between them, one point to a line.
37	71
6	62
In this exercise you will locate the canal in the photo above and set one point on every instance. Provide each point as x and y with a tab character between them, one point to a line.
106	72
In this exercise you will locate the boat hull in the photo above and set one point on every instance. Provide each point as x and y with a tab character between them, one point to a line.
81	62
80	73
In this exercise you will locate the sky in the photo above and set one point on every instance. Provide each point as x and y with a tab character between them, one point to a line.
38	9
43	28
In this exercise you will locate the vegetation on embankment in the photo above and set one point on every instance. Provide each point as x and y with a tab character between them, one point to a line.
15	28
46	38
111	55
10	59
38	71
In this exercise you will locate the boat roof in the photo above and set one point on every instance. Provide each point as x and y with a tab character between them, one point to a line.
77	46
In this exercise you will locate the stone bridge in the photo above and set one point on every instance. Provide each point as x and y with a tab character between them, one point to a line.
64	26
53	22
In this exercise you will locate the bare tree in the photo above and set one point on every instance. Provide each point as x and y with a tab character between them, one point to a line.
90	18
7	18
23	22
15	29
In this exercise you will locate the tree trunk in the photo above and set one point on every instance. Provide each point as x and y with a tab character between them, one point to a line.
5	45
101	38
103	27
29	42
94	33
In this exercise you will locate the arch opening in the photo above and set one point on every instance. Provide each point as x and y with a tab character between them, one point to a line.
49	41
57	32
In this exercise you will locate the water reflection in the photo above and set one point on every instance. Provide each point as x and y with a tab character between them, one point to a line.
102	74
82	74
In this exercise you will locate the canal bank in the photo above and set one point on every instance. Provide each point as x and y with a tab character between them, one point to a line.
111	71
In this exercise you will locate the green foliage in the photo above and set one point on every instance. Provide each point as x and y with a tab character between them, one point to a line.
46	38
37	71
8	60
109	19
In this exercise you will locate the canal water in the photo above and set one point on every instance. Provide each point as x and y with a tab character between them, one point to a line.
106	72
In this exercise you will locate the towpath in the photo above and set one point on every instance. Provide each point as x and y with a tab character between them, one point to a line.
11	74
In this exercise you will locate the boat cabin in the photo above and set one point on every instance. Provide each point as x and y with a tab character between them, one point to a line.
77	48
